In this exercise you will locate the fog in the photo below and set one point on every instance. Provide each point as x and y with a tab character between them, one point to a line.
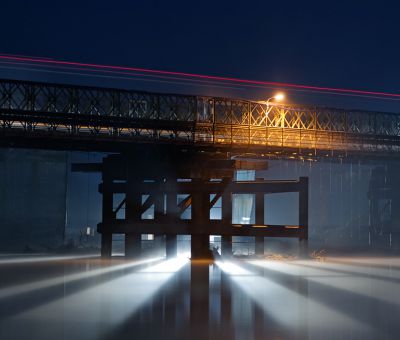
152	298
45	206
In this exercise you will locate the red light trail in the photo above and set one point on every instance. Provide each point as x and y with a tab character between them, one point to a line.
44	61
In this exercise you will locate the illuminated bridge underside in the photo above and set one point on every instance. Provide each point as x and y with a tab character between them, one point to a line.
97	118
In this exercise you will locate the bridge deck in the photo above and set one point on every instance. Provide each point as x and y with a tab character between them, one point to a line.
101	118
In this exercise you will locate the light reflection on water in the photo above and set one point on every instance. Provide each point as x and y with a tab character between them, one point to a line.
87	298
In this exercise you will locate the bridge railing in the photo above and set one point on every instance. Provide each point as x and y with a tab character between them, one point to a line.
75	100
76	111
294	127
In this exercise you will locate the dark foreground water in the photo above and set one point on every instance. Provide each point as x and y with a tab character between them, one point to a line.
87	298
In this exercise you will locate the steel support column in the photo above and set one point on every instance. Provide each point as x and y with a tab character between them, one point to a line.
226	246
226	240
171	246
200	243
172	213
259	240
133	245
106	245
303	215
107	214
200	247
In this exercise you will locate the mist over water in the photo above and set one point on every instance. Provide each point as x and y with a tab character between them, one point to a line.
45	205
348	290
89	298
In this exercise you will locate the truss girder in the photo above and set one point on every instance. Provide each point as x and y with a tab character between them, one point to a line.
120	114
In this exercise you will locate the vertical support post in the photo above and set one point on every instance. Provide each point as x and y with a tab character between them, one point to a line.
259	246
108	214
158	205
200	242
172	206
226	240
171	245
133	245
106	245
133	201
226	246
200	246
158	244
133	198
303	215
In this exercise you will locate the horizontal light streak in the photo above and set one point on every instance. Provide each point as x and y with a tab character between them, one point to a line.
169	266
24	258
354	280
96	310
46	283
198	76
291	308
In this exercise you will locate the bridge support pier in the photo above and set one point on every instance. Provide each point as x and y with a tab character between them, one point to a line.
106	245
171	246
133	245
200	247
177	197
226	246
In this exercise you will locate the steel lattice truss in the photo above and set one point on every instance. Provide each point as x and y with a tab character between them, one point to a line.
73	112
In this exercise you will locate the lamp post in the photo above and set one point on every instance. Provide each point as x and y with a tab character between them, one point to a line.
278	97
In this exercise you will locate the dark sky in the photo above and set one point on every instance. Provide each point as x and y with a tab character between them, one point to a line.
354	44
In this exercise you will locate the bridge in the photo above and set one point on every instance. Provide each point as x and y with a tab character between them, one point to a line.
174	154
92	118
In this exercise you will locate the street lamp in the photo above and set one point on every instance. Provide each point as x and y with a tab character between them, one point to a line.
278	97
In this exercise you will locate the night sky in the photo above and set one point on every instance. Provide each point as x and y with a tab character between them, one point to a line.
350	45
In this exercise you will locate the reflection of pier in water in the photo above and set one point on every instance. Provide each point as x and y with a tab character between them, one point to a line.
202	301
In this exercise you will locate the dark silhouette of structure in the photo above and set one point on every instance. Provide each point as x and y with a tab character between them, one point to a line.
172	181
179	152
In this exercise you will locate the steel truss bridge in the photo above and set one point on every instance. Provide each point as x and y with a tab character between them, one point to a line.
131	123
67	116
